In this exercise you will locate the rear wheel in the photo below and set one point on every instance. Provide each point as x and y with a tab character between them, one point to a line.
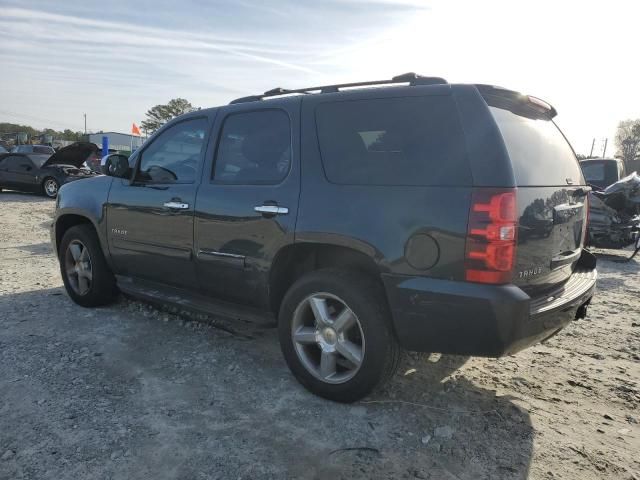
50	187
336	336
85	273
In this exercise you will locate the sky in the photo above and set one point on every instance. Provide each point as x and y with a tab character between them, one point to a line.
113	60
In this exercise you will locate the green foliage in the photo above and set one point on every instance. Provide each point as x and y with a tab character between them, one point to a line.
8	131
628	140
161	114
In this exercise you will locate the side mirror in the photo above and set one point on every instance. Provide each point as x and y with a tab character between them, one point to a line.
117	166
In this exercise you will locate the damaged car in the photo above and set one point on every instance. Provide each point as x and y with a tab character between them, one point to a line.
614	214
46	173
602	172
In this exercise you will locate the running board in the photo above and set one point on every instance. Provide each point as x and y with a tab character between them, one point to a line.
165	295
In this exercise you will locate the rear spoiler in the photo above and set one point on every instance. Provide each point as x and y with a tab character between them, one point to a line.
516	102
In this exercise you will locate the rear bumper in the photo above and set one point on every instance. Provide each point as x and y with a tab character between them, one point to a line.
433	315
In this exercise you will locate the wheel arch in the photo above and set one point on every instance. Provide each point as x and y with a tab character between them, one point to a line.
66	221
297	259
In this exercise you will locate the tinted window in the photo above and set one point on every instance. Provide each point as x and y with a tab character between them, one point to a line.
539	152
39	160
593	172
393	141
16	164
254	148
174	156
43	149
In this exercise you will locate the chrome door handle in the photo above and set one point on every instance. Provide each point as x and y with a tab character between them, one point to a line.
271	209
176	205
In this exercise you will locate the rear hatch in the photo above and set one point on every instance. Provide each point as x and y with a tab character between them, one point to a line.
551	191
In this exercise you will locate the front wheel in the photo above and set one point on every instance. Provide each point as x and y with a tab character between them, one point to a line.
336	336
50	187
85	273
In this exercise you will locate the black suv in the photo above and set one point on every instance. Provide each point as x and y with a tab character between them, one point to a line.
367	218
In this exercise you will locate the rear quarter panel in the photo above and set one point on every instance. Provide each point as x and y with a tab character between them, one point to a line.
379	220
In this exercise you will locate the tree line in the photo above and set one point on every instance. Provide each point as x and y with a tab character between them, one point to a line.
7	130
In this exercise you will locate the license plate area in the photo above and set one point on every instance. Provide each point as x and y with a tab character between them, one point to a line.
567	227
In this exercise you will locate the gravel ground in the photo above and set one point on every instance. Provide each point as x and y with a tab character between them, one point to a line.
130	391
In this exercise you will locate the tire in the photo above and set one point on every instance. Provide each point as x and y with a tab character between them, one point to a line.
80	247
369	338
50	187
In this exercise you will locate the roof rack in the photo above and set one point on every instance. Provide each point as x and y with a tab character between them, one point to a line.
410	78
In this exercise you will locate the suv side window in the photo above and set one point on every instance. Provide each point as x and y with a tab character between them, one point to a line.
393	141
16	164
254	148
175	155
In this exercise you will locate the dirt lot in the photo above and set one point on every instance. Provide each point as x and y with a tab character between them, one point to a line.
130	391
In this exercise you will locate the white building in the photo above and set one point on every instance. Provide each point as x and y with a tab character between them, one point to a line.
121	142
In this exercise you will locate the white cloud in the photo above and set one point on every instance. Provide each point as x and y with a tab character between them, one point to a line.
577	55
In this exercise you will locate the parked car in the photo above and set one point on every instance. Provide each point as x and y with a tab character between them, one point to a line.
602	172
34	149
45	173
418	215
614	214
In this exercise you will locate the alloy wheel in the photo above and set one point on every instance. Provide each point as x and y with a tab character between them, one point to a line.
78	267
328	338
51	187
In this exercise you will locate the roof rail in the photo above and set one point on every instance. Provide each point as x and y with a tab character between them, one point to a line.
410	78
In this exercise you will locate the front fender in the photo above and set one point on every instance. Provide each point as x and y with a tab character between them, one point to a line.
87	199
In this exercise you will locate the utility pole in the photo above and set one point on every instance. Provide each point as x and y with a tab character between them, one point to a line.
604	150
85	123
592	145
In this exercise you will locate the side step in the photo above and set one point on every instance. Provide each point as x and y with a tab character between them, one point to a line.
166	295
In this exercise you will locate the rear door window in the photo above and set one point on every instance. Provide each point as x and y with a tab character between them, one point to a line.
540	154
393	141
254	148
17	164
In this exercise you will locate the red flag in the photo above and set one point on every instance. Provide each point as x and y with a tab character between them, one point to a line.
135	130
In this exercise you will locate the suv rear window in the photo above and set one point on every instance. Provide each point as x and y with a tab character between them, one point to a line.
601	174
539	152
393	141
593	171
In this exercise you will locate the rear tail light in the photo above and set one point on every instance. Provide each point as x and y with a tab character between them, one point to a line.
491	236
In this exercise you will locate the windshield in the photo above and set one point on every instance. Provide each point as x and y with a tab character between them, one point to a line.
43	149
